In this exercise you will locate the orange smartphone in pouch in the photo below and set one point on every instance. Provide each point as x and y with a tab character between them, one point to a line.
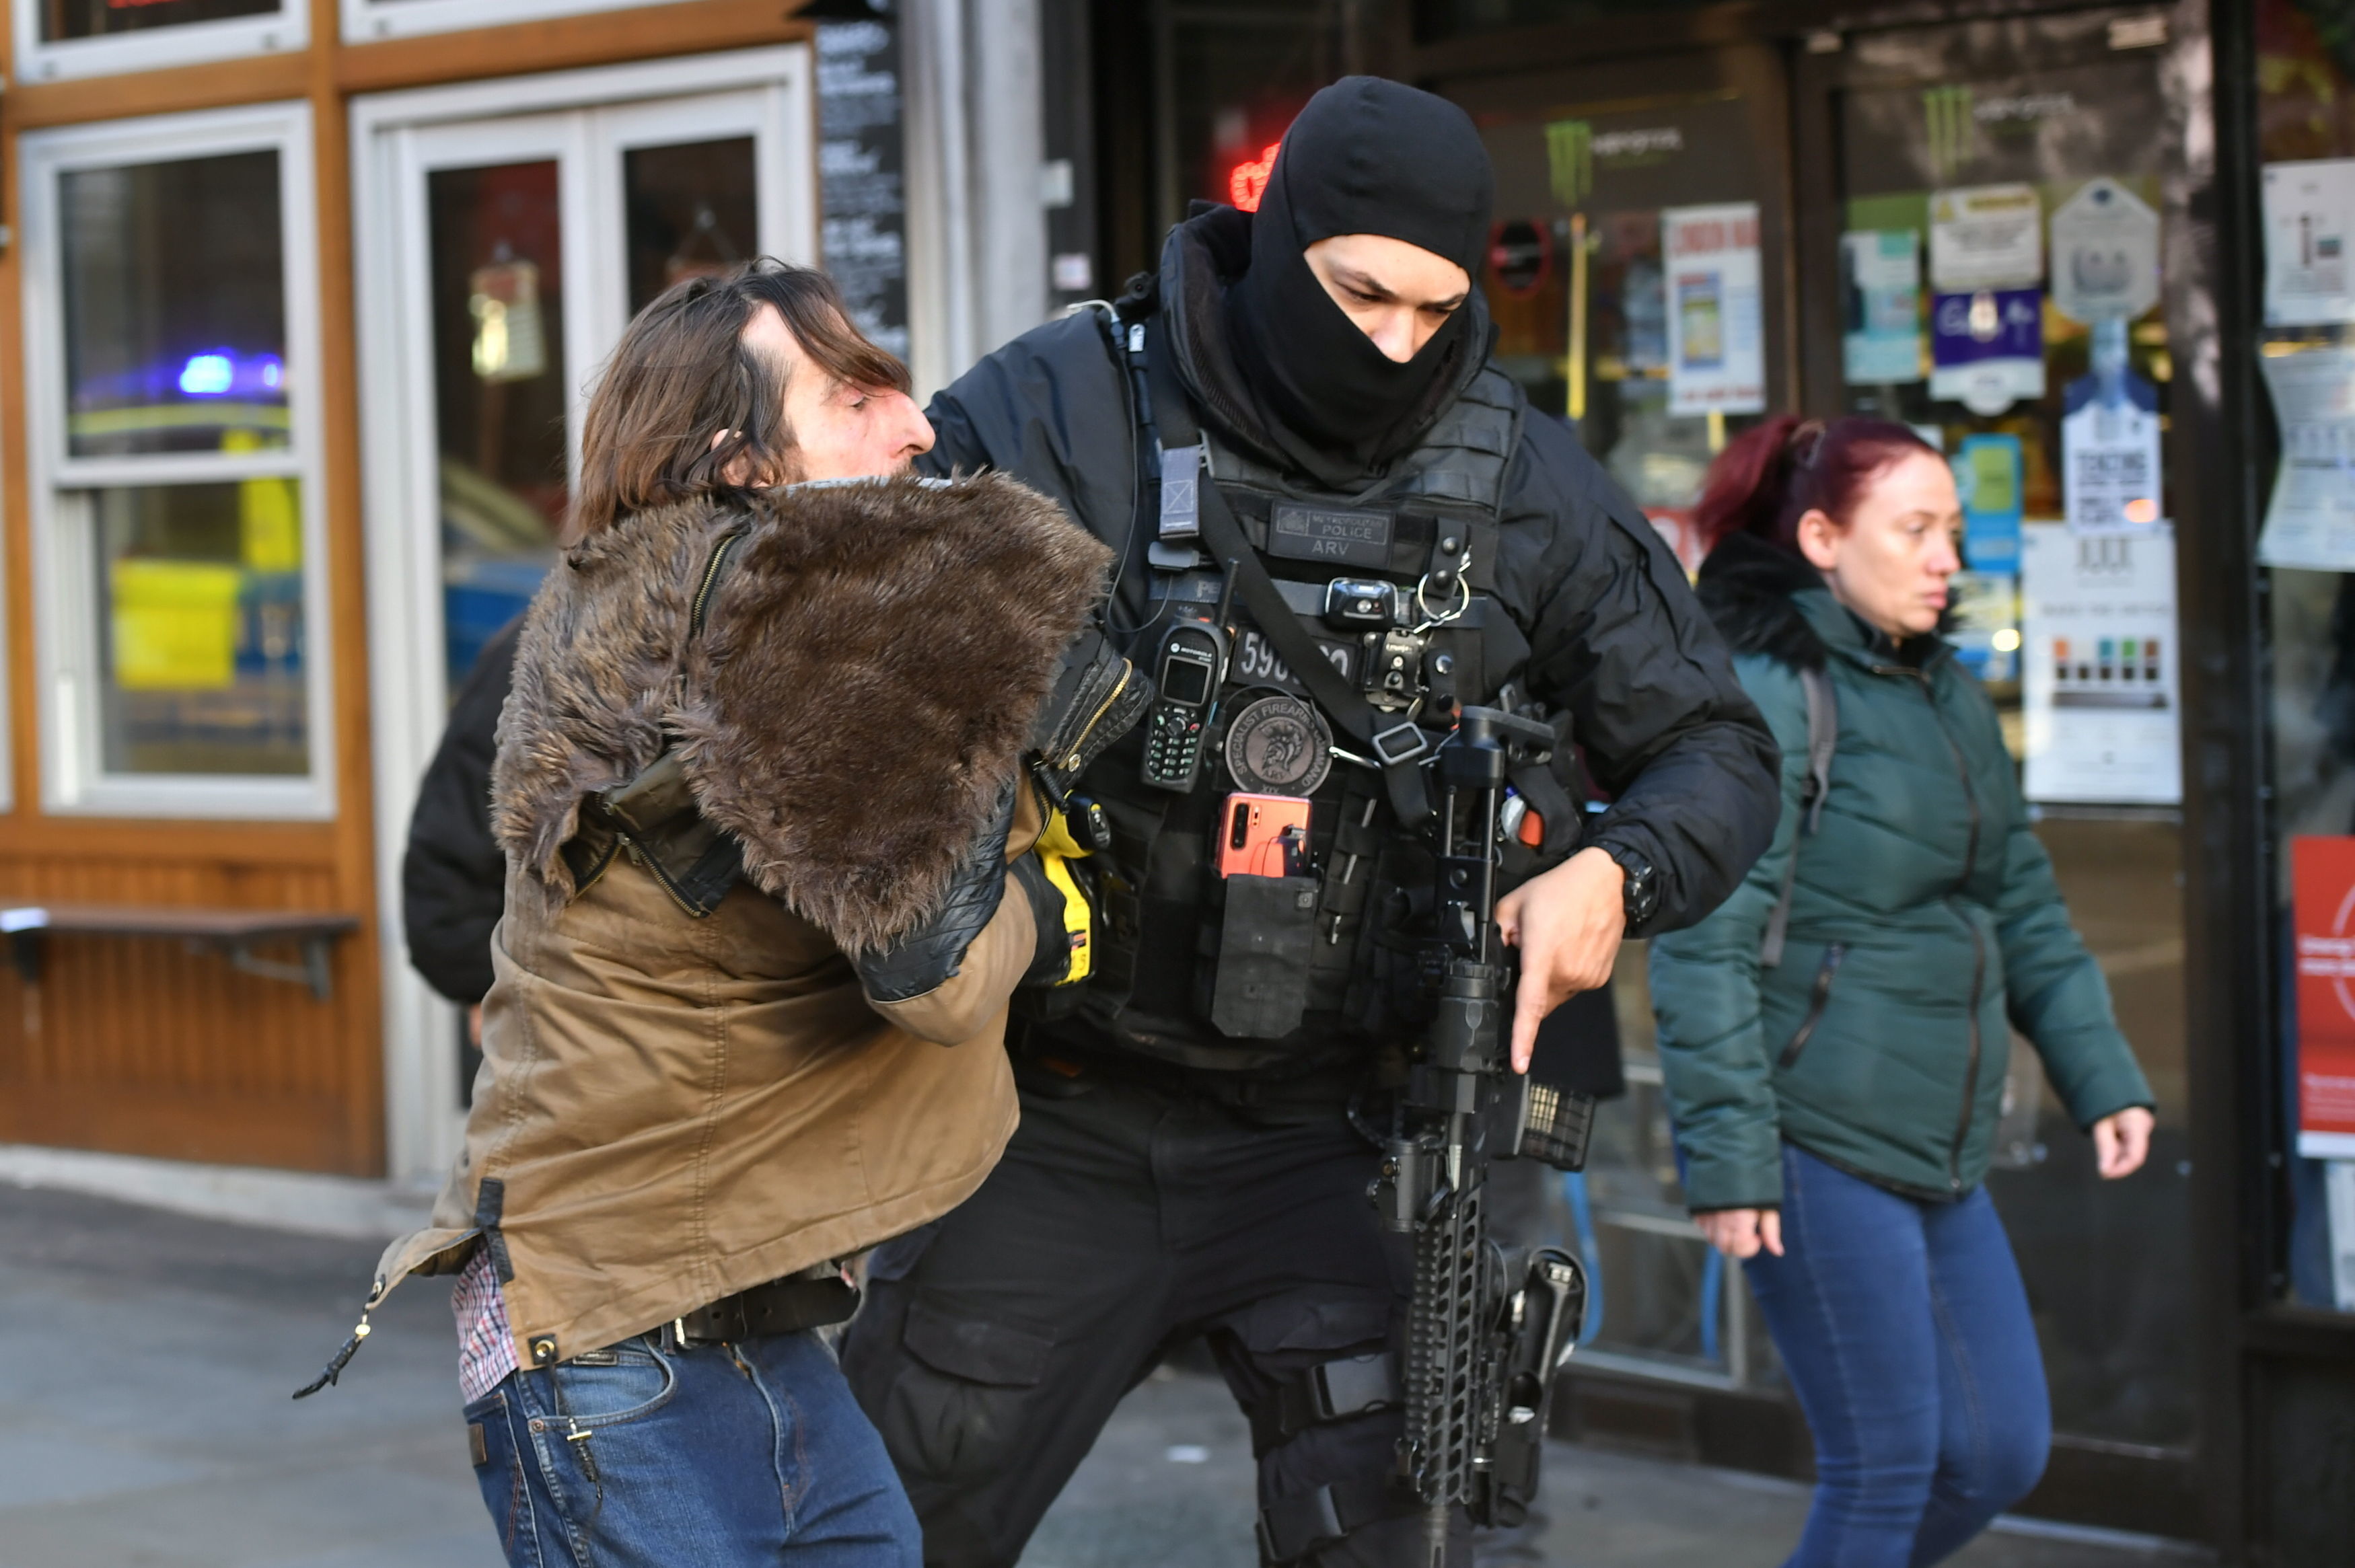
1264	835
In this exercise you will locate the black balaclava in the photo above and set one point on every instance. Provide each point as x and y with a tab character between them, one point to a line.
1367	156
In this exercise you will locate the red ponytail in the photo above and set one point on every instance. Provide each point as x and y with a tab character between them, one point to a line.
1775	474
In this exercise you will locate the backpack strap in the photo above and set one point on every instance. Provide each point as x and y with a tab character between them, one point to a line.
1823	737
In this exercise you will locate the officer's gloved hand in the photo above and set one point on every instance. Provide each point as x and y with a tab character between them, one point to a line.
928	957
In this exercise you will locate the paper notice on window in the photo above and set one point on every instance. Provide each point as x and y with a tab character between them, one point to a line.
1882	340
1986	237
2111	467
2105	254
2310	223
2098	671
2310	520
1717	350
1986	349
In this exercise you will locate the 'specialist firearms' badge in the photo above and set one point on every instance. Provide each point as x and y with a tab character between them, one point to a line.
1279	745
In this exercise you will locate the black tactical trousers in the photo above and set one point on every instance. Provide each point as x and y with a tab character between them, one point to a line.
1124	1220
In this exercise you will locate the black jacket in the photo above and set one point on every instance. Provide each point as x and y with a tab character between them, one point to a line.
1614	632
454	876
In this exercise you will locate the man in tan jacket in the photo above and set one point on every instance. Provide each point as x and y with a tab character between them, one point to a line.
768	896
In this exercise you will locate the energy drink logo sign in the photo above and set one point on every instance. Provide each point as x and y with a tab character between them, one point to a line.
2322	872
1954	117
1573	152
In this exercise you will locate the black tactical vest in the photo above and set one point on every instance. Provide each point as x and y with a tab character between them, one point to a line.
1300	971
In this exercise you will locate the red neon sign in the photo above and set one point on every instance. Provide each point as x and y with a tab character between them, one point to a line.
1247	181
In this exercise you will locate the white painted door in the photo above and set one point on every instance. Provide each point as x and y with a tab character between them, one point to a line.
506	234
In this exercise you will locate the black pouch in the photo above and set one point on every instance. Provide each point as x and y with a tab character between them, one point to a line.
1261	984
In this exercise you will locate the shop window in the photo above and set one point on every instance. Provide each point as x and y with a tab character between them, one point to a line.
365	20
2306	144
2001	225
58	39
171	356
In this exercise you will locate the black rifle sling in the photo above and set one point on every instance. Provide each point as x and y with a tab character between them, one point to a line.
1398	746
1823	738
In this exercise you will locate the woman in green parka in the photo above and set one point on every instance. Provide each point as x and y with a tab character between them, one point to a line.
1834	1038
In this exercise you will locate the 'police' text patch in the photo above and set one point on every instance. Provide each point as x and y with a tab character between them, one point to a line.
1324	533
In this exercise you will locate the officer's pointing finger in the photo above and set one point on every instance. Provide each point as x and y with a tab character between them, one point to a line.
1530	1004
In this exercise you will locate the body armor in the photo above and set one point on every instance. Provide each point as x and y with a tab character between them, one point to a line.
1296	967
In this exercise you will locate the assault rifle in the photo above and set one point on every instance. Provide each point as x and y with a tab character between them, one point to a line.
1487	1325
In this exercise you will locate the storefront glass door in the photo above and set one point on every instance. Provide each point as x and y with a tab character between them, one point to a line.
507	233
2000	216
1960	228
1638	271
1637	267
636	198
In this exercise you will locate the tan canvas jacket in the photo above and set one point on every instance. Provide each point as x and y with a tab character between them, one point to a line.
676	1104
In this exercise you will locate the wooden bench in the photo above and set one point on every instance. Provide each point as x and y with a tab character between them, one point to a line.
234	933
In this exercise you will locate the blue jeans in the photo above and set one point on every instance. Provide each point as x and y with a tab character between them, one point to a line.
1905	1331
647	1456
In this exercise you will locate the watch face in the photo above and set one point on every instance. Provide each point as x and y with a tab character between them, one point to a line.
1279	745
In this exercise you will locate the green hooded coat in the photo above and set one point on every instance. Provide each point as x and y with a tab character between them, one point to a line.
1924	915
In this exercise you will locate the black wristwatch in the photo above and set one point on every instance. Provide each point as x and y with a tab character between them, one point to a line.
1640	892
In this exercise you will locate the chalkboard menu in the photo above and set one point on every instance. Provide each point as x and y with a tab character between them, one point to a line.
864	202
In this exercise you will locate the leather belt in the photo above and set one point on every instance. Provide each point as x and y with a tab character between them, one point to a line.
811	1300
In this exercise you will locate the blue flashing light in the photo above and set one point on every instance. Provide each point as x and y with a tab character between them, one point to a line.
207	375
273	372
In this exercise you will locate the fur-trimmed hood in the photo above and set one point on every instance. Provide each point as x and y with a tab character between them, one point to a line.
869	663
1746	585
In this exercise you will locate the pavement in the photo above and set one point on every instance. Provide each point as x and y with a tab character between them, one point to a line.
146	1361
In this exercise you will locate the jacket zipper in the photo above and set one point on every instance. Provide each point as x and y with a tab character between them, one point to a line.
1971	1068
1979	941
1079	740
645	857
1817	1001
719	553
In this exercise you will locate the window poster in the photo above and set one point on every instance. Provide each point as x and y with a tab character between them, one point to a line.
1987	348
2098	671
1986	237
1882	270
1717	351
2105	254
2310	519
2322	909
2110	454
2309	217
1989	480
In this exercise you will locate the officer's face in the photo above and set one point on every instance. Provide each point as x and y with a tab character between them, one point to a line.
839	431
1398	294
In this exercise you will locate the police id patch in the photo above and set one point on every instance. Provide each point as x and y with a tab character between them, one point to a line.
1327	534
1279	745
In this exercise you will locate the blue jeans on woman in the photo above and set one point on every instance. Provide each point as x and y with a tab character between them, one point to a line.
648	1456
1905	1330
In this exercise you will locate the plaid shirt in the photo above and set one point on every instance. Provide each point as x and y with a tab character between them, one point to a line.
485	1345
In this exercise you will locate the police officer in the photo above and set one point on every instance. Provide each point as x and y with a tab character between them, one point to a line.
1295	439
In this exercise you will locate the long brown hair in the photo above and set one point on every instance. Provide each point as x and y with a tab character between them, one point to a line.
682	375
1777	471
